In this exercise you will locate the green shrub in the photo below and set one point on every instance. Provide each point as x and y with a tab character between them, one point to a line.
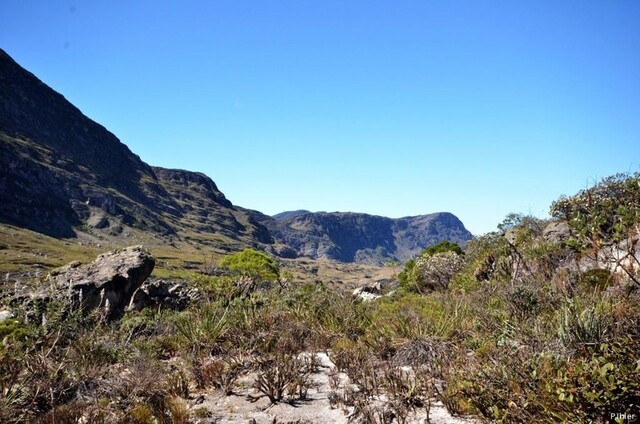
412	277
593	388
597	279
442	247
523	301
252	263
580	325
12	331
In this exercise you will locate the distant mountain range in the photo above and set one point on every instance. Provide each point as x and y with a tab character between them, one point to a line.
358	237
62	173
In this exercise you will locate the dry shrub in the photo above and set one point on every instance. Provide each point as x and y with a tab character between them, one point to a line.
427	353
283	374
68	413
223	373
178	410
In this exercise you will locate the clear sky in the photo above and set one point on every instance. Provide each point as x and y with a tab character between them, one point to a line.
393	108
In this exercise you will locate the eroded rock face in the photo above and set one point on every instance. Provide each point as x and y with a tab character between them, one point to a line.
109	282
363	238
164	295
557	232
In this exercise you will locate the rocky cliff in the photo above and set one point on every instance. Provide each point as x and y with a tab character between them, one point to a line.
62	173
357	237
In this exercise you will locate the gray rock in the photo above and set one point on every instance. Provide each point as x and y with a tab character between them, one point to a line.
557	232
109	282
368	293
164	295
5	314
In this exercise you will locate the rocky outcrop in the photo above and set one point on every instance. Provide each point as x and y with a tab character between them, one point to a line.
161	294
368	293
107	283
6	314
557	232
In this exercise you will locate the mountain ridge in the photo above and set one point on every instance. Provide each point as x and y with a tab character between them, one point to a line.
64	174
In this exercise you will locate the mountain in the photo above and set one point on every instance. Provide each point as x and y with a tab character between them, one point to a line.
363	238
64	175
290	214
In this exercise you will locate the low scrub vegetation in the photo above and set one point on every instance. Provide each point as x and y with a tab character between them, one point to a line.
518	327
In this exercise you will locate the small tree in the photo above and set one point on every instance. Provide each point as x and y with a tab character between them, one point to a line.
605	221
442	247
433	269
252	264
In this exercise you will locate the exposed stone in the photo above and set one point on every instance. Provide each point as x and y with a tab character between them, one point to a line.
98	221
109	282
363	238
557	232
368	293
164	295
5	314
485	269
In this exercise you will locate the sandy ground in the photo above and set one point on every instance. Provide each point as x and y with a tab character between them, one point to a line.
239	408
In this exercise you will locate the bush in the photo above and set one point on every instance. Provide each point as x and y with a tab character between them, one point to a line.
597	279
580	325
593	388
409	278
523	302
252	263
283	375
442	247
433	272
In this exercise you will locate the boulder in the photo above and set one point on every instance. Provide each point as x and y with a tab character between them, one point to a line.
368	293
6	314
108	283
164	295
557	232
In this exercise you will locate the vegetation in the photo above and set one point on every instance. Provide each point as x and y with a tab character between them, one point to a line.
433	268
515	328
252	263
605	222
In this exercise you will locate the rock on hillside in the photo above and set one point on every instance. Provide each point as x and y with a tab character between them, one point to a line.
290	214
357	237
62	172
108	283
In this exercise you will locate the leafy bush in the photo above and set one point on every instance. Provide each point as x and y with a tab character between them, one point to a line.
523	301
442	247
605	382
252	263
595	278
409	276
606	214
433	272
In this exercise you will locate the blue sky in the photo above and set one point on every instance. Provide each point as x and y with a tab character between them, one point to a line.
400	108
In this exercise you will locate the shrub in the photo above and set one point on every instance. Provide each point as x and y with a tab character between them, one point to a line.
252	263
523	301
596	278
605	382
281	375
442	247
433	272
202	327
604	215
580	325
